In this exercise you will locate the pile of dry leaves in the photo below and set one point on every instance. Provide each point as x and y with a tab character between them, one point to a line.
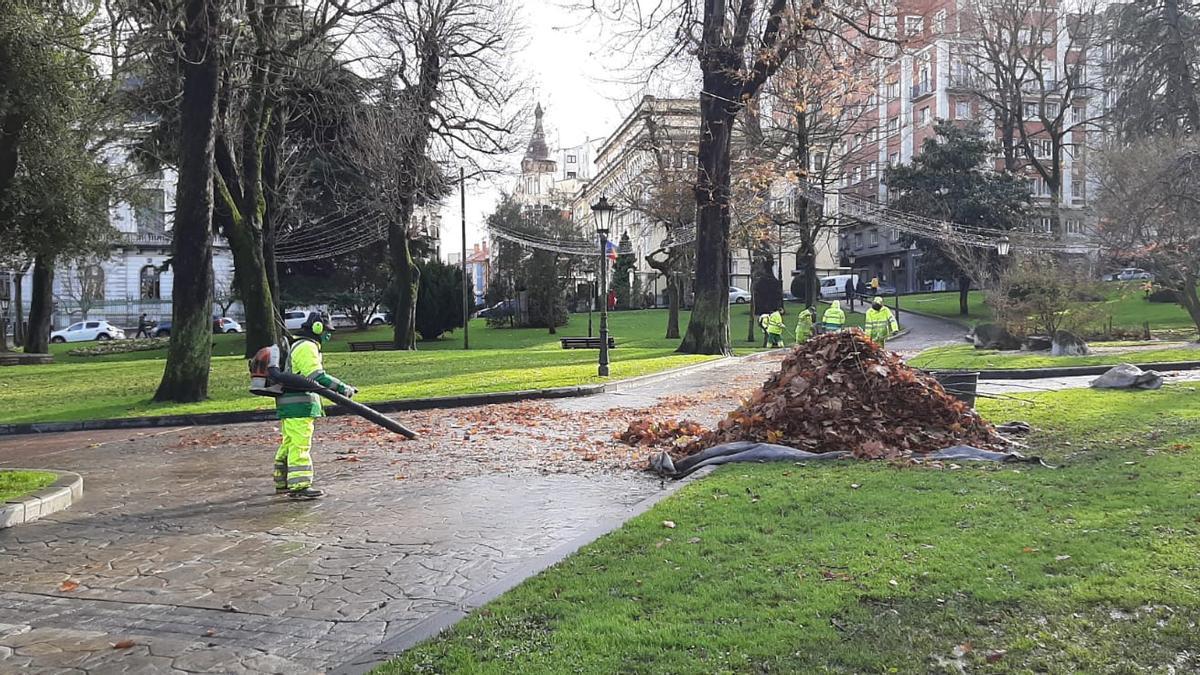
836	392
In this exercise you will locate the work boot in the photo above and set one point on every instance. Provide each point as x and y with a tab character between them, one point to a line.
306	493
281	490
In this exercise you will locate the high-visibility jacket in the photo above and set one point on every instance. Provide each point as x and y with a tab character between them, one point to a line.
775	323
304	358
834	317
804	325
881	323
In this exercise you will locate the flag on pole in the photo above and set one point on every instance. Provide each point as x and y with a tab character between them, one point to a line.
610	250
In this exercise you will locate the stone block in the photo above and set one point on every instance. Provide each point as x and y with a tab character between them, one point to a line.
12	514
53	499
32	505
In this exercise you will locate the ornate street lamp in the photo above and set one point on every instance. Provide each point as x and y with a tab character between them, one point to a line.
1003	245
602	212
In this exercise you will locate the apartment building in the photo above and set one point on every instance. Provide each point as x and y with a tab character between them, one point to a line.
941	71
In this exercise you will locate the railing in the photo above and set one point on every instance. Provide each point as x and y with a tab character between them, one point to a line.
965	80
146	238
920	89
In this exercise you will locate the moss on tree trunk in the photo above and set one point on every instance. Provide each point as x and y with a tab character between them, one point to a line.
41	306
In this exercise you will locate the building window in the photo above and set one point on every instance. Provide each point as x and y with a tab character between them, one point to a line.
914	24
149	211
894	159
857	174
149	287
1077	189
925	116
570	159
939	22
873	169
893	126
571	174
858	240
1031	111
816	162
1073	226
874	237
1078	114
962	110
893	90
894	235
1046	225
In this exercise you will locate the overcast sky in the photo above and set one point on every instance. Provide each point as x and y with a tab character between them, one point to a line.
572	79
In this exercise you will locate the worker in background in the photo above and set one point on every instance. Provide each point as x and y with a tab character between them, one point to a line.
875	285
762	323
880	323
775	327
1147	289
804	324
298	410
143	327
834	318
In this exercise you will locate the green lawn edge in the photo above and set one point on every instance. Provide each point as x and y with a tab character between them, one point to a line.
966	357
15	483
867	567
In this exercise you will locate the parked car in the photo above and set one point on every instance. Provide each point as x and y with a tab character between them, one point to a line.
738	296
293	320
501	309
84	331
834	287
377	319
1132	274
225	324
161	329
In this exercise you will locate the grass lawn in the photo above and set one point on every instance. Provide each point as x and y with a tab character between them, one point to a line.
1124	304
868	568
120	385
966	357
14	484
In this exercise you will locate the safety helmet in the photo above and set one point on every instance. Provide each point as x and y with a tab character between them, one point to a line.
319	326
878	300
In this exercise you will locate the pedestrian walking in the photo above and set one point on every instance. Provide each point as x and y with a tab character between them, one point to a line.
143	327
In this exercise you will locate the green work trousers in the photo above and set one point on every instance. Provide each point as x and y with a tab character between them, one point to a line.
293	464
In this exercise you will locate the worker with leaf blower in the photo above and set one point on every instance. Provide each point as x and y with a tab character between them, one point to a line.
880	323
775	327
295	383
834	317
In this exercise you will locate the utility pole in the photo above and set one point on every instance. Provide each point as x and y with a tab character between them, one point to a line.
467	290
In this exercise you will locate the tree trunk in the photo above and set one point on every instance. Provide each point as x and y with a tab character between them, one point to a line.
41	307
1190	300
406	280
19	302
245	242
708	329
189	354
964	290
674	297
271	216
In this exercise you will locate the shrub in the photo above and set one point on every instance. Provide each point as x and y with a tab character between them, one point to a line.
439	301
121	347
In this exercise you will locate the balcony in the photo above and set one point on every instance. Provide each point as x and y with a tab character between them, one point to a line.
158	239
966	80
921	89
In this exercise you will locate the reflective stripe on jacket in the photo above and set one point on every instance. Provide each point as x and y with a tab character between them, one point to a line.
834	316
881	322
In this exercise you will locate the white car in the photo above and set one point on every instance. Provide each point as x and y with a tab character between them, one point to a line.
1132	273
377	319
226	325
85	331
293	320
738	296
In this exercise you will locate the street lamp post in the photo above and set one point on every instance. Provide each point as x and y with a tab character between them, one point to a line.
851	258
896	283
1003	246
602	211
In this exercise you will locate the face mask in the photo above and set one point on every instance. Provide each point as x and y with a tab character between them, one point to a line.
877	306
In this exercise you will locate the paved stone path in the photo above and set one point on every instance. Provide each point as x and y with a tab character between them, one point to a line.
181	556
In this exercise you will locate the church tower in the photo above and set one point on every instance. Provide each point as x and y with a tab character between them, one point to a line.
538	171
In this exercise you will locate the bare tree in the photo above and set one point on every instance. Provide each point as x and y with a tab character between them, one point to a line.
1149	209
1154	69
83	286
1035	64
445	95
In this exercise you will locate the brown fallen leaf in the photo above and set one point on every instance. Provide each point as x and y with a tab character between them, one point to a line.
123	644
68	586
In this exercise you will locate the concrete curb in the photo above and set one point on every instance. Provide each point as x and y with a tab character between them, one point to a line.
1069	371
434	625
238	417
66	490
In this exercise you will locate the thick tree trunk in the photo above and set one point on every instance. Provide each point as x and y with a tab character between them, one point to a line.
10	136
708	329
41	307
406	281
964	290
674	297
245	242
189	354
270	217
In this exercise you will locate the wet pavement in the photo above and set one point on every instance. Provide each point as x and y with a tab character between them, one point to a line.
180	558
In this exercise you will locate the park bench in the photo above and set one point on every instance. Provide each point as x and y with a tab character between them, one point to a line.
22	359
373	346
586	343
